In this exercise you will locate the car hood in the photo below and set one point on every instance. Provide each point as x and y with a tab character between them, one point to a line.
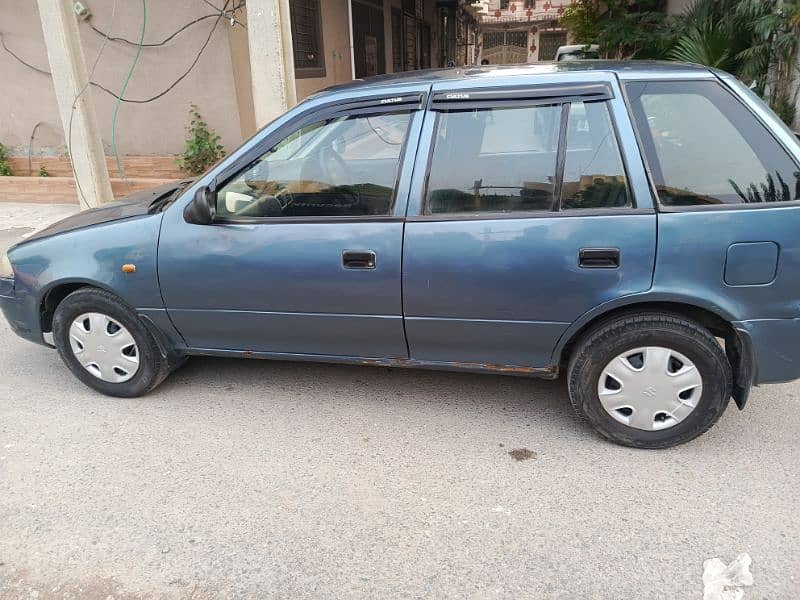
134	205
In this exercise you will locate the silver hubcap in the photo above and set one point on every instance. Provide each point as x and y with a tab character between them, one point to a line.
104	347
650	388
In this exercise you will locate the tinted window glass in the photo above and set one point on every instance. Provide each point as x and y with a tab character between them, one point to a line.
341	167
594	176
494	160
704	147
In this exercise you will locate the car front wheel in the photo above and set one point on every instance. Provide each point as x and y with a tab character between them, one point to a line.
105	344
649	380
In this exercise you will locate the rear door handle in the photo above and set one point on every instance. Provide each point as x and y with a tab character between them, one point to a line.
598	258
359	259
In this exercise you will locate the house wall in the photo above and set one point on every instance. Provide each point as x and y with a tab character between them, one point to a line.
219	83
336	44
156	128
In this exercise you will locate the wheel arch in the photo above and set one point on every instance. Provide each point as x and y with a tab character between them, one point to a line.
738	346
55	293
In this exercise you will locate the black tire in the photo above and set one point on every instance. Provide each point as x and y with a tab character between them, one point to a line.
153	367
609	339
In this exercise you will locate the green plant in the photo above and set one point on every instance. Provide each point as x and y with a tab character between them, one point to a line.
711	33
756	40
43	172
5	169
622	28
203	146
785	107
769	192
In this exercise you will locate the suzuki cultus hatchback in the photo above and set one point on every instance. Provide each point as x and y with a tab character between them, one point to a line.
633	225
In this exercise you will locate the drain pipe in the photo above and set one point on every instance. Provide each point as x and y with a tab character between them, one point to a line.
352	43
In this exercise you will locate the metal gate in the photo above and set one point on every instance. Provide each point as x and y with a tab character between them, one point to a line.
550	42
505	47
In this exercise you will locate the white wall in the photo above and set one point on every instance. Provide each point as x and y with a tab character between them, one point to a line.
156	128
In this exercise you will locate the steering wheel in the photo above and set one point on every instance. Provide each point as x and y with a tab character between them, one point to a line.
284	198
258	184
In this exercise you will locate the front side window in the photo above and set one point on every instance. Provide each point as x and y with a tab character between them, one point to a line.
341	167
494	160
706	148
594	176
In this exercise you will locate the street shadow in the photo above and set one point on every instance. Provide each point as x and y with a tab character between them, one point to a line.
492	395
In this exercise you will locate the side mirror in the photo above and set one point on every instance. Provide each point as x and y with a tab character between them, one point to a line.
203	207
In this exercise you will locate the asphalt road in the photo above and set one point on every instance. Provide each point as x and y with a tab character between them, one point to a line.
255	479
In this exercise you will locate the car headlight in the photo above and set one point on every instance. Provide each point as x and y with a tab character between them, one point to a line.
5	266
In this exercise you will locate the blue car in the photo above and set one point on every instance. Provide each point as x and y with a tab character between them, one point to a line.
633	225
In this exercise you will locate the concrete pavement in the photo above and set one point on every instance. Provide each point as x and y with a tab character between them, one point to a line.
252	479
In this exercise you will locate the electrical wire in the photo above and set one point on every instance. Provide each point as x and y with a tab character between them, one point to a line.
169	38
125	83
174	83
75	102
163	42
120	96
108	91
224	10
211	5
27	64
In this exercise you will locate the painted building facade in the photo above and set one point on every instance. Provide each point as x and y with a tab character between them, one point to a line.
521	31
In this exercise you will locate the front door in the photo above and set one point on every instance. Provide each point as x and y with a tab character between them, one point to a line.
304	256
527	221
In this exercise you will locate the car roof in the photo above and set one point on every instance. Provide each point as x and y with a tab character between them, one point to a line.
572	47
485	73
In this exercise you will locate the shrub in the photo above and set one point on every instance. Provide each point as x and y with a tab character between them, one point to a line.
202	145
5	169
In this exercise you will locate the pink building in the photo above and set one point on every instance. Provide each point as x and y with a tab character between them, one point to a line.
521	31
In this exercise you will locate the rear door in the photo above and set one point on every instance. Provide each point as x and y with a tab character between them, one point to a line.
523	216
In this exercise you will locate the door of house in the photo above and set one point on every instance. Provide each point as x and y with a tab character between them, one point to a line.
550	42
368	38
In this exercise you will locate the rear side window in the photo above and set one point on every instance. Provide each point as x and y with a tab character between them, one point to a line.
704	147
494	160
506	159
594	176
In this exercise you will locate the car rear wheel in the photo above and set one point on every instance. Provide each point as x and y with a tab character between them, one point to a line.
649	380
105	344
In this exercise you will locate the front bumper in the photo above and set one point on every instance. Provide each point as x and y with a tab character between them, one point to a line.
22	314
